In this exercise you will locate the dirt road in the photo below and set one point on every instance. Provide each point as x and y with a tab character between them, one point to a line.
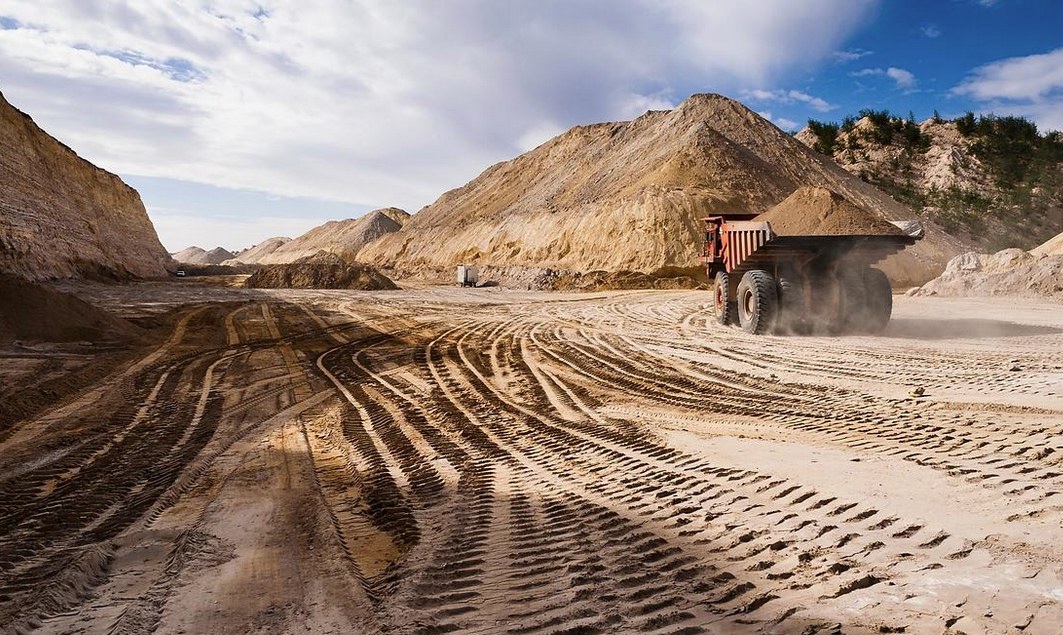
483	461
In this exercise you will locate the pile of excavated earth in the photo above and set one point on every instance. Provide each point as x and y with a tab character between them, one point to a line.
345	238
546	279
34	312
199	256
323	270
1011	272
253	254
628	196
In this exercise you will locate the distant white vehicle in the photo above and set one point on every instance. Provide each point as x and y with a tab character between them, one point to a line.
468	276
180	273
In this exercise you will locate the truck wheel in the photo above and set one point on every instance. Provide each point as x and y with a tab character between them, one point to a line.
852	314
867	301
725	309
791	318
879	300
758	302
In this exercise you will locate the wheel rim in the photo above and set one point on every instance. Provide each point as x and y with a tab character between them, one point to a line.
748	305
719	297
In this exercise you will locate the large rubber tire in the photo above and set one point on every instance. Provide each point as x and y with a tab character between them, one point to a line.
792	317
758	302
852	312
879	297
726	310
826	315
867	300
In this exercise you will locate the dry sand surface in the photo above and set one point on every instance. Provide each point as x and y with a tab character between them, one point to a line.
483	461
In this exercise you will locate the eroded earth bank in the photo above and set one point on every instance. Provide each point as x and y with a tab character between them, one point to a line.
485	461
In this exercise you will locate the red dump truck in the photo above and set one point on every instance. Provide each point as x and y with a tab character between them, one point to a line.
798	284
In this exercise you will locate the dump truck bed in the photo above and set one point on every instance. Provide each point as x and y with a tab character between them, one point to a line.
869	248
744	245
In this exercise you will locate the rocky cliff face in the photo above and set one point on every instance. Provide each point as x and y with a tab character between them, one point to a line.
996	183
345	238
61	216
627	196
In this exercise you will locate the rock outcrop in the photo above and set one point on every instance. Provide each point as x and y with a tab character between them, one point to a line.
994	186
627	196
345	238
1010	272
321	271
62	217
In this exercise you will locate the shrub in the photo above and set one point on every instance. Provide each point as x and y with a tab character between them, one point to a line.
881	125
966	124
826	135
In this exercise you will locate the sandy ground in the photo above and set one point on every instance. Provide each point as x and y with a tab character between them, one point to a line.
482	461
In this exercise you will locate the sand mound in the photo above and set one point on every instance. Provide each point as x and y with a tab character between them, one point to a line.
199	256
1009	272
817	211
35	312
253	254
627	196
343	237
320	271
1052	247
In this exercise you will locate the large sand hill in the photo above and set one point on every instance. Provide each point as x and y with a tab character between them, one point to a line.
345	238
627	196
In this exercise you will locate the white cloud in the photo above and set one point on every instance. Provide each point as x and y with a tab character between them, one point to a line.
902	78
378	103
867	72
930	31
787	97
850	55
1032	77
1031	86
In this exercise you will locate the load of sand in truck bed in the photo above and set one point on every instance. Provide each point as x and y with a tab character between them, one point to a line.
817	211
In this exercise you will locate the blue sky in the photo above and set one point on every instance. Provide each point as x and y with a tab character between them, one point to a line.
243	119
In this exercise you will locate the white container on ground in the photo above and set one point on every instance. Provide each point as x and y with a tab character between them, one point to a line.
468	275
